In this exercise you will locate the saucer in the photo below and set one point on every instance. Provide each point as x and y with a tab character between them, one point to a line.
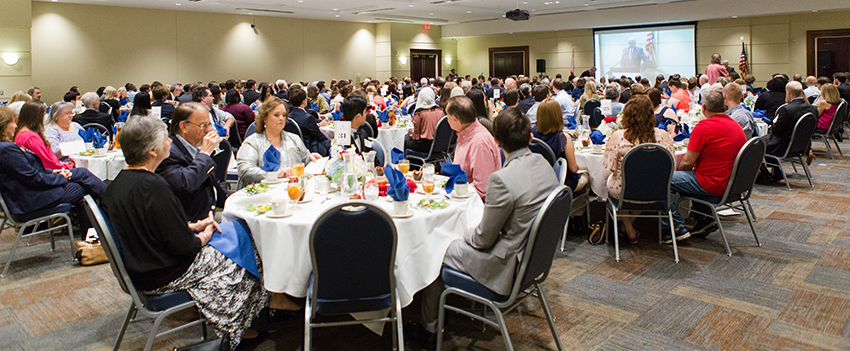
307	198
406	215
272	215
456	196
99	156
266	181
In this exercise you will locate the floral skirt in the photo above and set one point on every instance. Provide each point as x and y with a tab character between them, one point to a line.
226	295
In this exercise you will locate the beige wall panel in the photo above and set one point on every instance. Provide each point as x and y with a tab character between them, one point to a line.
9	85
721	36
15	14
770	54
770	34
15	39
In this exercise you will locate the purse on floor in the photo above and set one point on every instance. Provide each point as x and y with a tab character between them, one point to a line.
596	233
90	253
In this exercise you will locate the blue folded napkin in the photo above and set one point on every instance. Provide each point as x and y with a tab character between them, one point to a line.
597	138
234	241
98	140
314	106
384	115
337	114
114	131
759	114
748	108
398	189
396	155
683	134
667	122
455	173
86	134
123	116
271	159
220	129
571	123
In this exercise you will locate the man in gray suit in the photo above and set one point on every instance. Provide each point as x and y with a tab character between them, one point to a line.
491	252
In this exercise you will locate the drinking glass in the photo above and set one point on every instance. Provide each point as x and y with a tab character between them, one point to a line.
370	191
298	169
349	184
404	167
428	183
295	189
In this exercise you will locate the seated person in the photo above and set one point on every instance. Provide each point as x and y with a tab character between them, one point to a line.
732	94
189	169
163	254
540	93
425	119
707	165
476	152
160	97
28	187
30	135
60	128
91	115
770	100
779	135
638	128
491	252
314	139
612	92
354	110
827	107
271	119
680	99
550	126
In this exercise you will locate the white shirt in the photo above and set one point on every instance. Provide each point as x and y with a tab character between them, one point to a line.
566	102
532	112
811	91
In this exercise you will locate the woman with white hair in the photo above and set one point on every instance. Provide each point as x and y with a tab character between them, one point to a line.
425	118
60	128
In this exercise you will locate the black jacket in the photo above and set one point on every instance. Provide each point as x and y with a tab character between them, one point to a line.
94	116
779	135
192	180
314	139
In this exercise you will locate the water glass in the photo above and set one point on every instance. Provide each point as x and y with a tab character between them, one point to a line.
370	191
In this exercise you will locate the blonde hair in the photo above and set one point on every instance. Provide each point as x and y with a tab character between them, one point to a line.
7	116
110	93
265	109
589	90
20	96
830	94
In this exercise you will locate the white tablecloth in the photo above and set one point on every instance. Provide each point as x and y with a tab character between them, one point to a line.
104	167
389	137
592	163
762	128
284	247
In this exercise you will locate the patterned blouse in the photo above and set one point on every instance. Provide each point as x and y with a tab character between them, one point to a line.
617	148
56	135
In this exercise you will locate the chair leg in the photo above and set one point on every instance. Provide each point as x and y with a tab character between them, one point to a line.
587	209
124	325
500	319
71	236
616	236
828	148
564	236
50	233
722	233
12	253
308	311
808	173
752	213
835	140
792	166
398	322
788	185
750	220
441	318
550	317
152	334
673	236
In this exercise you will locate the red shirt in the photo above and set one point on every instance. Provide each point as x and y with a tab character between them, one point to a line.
718	140
684	100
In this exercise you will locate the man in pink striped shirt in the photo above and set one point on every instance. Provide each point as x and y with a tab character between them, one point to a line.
476	152
715	69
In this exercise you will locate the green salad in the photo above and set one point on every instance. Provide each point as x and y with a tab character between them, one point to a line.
425	203
256	188
260	209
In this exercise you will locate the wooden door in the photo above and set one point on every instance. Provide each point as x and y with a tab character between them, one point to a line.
507	61
833	55
423	65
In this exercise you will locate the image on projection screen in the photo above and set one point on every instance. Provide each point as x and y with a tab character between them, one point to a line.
645	51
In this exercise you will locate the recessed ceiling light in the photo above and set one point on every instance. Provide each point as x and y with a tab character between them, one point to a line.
55	0
525	2
468	11
734	16
336	16
336	9
178	4
557	2
430	13
409	5
814	10
250	13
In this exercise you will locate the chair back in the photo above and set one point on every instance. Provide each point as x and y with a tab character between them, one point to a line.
353	248
379	151
100	127
222	160
560	168
801	136
6	213
250	130
590	105
542	240
110	245
745	170
839	118
443	136
540	147
368	129
596	117
647	170
298	128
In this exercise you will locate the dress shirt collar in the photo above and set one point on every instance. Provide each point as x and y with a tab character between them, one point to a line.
735	108
517	154
191	148
469	131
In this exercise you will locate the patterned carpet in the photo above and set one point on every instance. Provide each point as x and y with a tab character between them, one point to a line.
791	294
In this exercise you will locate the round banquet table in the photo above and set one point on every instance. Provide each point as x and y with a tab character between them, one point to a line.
389	137
762	128
104	167
283	243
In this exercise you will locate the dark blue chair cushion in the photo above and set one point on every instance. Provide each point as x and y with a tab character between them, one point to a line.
410	152
163	302
346	306
462	281
60	208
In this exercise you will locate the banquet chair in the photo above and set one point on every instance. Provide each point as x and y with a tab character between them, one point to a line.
353	250
100	128
560	168
592	109
34	220
155	307
647	171
293	127
441	146
797	149
222	161
369	131
739	188
834	126
380	155
250	130
533	270
540	147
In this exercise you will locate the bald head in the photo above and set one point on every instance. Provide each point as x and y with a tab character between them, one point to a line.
794	89
811	81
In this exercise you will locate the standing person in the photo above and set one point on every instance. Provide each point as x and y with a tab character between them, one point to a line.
715	69
476	151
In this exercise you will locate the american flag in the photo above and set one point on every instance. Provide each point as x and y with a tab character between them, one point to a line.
650	46
742	64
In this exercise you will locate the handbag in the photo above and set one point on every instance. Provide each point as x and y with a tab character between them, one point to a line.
90	253
597	232
220	344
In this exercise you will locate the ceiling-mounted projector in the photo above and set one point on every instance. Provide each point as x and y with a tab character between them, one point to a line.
517	15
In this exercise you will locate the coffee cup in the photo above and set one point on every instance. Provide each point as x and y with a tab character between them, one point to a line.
271	176
685	141
461	189
100	151
279	206
400	208
89	146
597	148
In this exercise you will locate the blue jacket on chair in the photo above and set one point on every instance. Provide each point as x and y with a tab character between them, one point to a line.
25	184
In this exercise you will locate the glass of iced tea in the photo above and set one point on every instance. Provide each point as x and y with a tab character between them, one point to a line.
428	184
404	167
298	169
295	189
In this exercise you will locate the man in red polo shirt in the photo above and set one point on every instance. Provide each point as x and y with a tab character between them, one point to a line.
707	165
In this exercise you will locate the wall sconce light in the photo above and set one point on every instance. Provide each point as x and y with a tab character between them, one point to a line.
448	60
10	59
403	60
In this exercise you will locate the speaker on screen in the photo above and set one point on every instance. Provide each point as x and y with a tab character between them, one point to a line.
541	65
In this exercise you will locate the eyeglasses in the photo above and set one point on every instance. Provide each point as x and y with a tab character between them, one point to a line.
202	125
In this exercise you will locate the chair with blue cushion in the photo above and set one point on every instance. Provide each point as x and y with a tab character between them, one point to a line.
532	272
540	147
155	307
647	172
380	154
34	220
740	187
353	248
250	130
441	146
